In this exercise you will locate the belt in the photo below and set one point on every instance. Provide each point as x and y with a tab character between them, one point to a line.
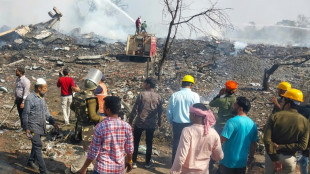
66	95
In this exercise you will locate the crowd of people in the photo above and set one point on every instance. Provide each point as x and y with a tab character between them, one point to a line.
200	139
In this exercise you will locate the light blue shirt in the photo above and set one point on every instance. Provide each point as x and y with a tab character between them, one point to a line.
240	132
179	103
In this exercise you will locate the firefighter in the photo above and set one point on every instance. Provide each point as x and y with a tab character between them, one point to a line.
138	25
101	92
85	106
282	88
143	27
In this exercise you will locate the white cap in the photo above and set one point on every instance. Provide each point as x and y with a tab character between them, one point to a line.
40	81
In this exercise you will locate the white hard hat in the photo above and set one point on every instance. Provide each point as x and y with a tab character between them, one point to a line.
40	81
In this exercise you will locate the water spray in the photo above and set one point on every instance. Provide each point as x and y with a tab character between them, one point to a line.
119	9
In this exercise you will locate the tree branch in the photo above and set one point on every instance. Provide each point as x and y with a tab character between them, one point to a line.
204	13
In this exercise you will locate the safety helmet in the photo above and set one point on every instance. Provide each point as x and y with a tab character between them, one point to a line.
284	86
189	78
231	85
294	94
92	79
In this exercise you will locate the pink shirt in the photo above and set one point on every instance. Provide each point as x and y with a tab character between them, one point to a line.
195	149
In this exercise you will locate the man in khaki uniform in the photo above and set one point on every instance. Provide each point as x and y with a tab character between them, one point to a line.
286	132
282	88
85	106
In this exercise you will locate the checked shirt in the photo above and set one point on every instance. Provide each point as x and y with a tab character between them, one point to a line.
112	138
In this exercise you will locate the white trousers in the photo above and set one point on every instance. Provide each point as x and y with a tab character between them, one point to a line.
65	104
288	164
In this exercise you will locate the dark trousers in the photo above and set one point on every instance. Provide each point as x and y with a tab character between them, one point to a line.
18	102
36	152
177	131
149	134
226	170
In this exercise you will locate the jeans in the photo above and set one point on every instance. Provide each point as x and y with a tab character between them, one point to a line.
226	170
65	104
36	152
149	143
177	131
20	110
303	163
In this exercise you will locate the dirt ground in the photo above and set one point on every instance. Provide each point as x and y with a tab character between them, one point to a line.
13	160
124	78
15	147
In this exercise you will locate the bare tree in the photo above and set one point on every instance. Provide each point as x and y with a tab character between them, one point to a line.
303	21
215	17
269	72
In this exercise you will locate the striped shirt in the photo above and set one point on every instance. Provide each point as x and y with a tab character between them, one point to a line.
36	114
112	138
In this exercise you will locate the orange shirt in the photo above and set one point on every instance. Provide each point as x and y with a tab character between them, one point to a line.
101	96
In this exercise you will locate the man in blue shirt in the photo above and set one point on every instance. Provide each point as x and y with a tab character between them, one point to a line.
178	109
238	135
34	118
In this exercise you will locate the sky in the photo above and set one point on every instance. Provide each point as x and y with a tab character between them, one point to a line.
117	26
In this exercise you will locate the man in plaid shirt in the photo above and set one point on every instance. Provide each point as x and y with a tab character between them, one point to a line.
112	138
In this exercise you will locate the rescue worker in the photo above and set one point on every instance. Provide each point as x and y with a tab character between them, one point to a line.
101	92
286	132
224	101
282	88
138	25
143	27
85	106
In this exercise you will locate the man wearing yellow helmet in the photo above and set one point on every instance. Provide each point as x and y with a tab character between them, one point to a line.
286	132
178	109
282	88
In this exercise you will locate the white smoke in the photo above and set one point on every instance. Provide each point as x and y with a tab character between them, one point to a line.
109	22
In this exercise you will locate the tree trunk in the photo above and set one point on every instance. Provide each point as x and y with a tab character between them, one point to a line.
267	74
165	51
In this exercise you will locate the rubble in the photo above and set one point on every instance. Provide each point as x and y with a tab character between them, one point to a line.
44	51
4	89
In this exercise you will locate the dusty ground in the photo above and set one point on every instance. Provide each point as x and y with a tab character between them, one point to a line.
124	79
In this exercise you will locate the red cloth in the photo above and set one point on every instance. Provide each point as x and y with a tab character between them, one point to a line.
138	22
65	83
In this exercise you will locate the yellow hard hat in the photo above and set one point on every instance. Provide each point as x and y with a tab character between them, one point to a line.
189	78
294	94
284	86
